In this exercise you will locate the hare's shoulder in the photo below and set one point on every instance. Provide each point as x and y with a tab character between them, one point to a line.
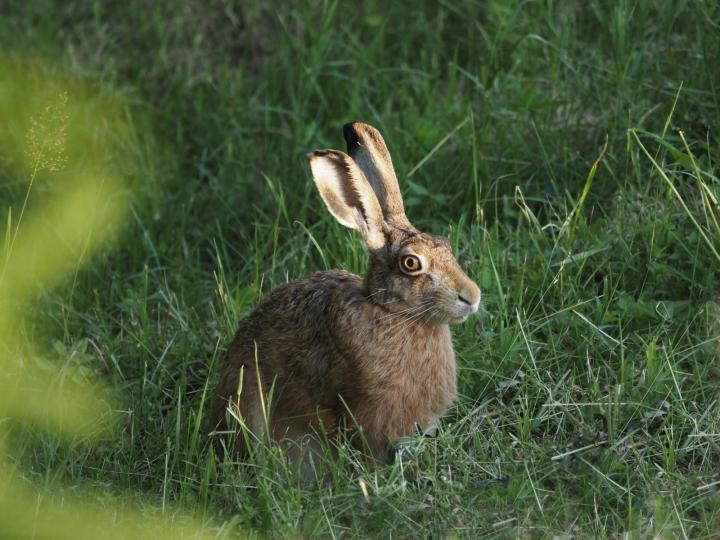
299	320
320	287
321	294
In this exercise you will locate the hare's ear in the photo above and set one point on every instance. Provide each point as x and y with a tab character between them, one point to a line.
368	149
348	195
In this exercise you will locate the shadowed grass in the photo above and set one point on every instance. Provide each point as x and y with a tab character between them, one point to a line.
568	150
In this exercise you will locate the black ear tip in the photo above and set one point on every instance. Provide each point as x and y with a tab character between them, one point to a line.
351	137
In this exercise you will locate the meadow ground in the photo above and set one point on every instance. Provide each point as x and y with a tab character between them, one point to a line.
568	149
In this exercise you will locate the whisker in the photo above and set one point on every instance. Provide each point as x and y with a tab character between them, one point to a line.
396	314
401	325
402	311
376	292
408	310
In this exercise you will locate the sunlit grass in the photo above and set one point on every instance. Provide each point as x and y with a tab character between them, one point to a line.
569	151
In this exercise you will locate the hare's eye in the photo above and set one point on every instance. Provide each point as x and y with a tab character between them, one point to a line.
410	263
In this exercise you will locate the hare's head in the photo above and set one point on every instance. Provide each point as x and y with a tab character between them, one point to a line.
410	271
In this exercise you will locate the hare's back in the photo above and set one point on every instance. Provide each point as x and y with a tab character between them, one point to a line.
299	311
289	339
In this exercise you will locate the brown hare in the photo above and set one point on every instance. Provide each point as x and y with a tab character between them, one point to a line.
333	351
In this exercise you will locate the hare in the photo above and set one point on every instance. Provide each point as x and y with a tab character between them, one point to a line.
335	351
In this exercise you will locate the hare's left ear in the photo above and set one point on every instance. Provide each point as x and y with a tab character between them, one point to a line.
348	195
367	147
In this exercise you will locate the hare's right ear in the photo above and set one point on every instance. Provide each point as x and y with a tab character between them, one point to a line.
348	195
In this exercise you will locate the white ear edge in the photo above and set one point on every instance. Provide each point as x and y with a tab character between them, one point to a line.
325	176
348	195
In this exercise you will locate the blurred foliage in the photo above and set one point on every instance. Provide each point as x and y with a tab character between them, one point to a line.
568	149
45	243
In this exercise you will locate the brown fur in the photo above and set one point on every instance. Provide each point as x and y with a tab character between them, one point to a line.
334	351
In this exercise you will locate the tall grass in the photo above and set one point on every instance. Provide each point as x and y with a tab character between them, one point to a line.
568	150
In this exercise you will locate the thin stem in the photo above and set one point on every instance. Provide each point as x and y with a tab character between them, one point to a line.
20	217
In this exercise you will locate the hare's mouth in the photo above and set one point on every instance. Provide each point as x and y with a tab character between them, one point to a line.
458	320
450	317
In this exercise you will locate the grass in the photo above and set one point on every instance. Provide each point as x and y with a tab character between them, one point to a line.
589	387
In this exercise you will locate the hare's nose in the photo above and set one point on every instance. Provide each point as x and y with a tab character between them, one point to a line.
470	296
465	300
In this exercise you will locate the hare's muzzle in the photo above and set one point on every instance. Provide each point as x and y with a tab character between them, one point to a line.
468	298
466	302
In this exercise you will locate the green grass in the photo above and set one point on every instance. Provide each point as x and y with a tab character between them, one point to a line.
589	387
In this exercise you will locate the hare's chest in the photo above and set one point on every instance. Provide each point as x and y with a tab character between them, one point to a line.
430	387
415	384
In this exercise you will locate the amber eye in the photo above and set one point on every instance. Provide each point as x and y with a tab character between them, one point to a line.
410	263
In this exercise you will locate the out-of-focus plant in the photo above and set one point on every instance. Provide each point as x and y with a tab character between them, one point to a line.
59	134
